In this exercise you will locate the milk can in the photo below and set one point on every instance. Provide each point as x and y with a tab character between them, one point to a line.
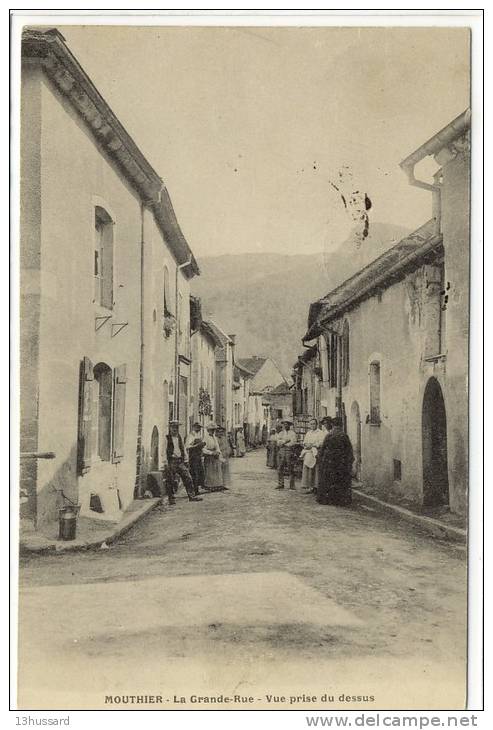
67	522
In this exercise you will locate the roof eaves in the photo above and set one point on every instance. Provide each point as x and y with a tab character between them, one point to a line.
376	276
61	66
441	139
75	85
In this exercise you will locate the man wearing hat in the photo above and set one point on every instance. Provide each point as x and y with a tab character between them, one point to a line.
178	462
286	439
194	445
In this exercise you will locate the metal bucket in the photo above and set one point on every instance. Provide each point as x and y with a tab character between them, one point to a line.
67	522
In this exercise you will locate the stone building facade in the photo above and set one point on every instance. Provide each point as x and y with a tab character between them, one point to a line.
204	343
393	346
104	266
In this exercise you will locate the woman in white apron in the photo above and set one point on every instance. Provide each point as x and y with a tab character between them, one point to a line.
311	443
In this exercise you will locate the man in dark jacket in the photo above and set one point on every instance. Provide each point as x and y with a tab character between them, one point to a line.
177	462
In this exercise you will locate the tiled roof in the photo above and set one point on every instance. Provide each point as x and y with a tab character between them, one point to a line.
252	364
217	332
281	389
209	329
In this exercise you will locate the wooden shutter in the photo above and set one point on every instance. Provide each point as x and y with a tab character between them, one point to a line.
119	390
84	445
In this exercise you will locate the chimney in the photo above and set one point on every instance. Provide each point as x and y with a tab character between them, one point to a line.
233	345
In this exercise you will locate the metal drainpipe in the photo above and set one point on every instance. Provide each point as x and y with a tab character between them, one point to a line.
176	399
141	371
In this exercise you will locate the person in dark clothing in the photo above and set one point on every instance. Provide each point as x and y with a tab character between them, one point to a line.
194	445
335	465
177	463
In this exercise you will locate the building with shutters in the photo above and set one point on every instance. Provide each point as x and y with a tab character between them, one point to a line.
392	346
205	341
105	316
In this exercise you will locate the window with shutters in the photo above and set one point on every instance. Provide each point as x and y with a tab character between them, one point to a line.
103	258
333	359
345	354
375	393
84	439
324	359
101	413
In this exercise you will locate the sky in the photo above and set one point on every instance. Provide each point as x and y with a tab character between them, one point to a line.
248	126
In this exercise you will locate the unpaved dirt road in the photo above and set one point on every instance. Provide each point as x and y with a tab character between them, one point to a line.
252	593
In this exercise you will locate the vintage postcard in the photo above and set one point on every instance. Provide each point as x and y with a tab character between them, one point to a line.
244	258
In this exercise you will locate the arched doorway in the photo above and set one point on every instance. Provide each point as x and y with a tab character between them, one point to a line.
155	449
355	436
434	440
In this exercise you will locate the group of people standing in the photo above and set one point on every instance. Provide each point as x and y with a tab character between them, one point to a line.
201	462
327	457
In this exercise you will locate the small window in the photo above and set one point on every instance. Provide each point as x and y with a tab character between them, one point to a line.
103	258
375	393
397	470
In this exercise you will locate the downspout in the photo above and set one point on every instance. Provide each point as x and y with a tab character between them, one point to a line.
176	399
138	474
408	168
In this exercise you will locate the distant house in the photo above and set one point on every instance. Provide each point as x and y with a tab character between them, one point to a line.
224	355
241	389
204	341
280	399
266	373
265	376
307	377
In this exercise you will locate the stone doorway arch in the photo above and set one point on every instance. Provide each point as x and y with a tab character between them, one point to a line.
155	449
434	444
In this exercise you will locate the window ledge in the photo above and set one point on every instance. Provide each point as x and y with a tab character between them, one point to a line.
435	358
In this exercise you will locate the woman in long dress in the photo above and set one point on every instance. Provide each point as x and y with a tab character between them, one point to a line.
271	447
313	440
240	442
212	461
336	460
224	447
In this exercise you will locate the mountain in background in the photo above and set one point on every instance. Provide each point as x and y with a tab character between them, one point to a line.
263	298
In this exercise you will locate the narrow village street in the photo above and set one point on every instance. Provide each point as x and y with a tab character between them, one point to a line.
252	592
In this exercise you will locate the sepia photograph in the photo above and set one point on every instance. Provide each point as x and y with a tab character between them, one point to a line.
244	329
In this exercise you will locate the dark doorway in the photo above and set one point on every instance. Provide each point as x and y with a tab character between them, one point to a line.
155	450
434	437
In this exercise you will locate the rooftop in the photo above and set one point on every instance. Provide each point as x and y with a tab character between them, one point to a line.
48	46
252	364
412	251
222	338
